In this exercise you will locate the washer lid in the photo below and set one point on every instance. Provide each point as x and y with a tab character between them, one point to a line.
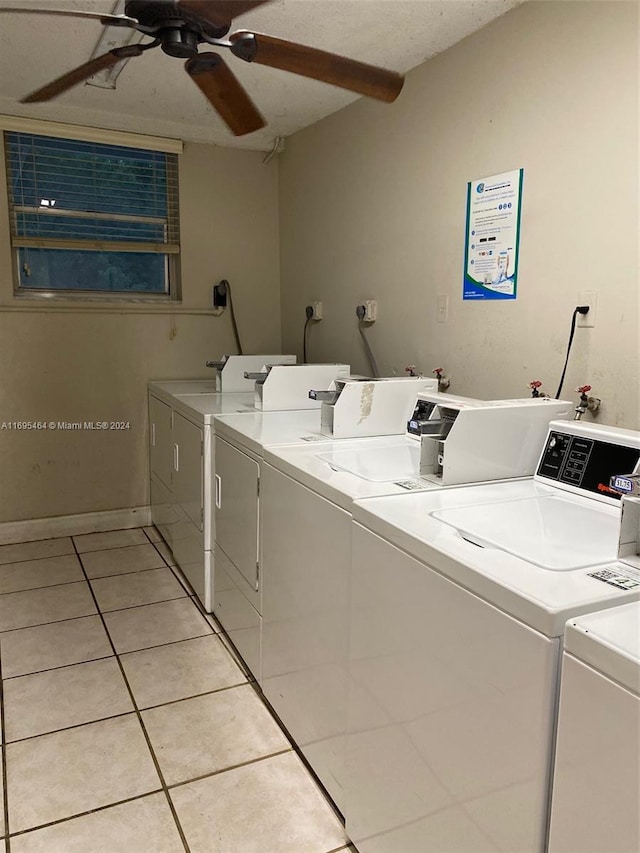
550	531
378	465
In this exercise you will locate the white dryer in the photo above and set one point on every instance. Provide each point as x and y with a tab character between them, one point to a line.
239	446
458	602
596	788
229	377
239	449
181	476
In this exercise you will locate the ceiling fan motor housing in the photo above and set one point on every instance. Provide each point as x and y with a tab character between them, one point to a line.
178	32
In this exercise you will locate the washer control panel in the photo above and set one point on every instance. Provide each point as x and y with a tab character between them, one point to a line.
585	463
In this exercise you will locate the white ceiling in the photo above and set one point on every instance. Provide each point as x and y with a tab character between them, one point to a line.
154	95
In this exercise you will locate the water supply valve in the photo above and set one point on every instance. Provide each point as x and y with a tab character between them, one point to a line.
443	381
411	370
535	389
591	404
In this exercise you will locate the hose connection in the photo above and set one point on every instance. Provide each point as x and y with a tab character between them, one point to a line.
443	381
587	403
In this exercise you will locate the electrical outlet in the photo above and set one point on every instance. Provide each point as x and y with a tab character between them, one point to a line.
590	298
318	311
220	294
443	307
370	311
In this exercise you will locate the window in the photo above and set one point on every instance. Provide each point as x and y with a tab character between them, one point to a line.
91	218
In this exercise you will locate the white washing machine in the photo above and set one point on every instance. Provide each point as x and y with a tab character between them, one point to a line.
595	804
307	496
458	601
305	556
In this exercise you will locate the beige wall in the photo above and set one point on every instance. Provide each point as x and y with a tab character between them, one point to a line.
94	365
372	205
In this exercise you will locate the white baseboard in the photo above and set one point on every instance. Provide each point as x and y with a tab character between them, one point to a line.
12	532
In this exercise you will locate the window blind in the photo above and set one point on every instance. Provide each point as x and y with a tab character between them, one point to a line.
82	195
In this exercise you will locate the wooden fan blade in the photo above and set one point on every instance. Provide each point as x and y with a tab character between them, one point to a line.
318	64
110	20
220	13
223	90
81	73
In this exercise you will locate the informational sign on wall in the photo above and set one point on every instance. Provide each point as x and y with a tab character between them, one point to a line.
492	236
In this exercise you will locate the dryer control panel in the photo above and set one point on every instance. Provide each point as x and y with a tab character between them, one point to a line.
585	463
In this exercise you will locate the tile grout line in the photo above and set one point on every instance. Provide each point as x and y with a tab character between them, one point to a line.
85	813
44	624
158	551
54	668
235	655
247	763
217	630
142	726
5	786
103	657
73	553
71	536
122	713
137	606
70	728
194	696
81	566
98	611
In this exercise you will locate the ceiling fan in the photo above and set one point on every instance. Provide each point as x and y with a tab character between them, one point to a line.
178	27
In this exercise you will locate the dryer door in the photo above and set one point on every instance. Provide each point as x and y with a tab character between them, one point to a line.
236	514
160	459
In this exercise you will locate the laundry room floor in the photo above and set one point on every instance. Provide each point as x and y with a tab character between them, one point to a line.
127	725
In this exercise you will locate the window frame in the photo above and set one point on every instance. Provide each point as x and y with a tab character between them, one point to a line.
172	293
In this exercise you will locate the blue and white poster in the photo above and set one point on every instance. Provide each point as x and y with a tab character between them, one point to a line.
492	236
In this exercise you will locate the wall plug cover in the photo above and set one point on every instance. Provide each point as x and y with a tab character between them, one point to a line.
370	311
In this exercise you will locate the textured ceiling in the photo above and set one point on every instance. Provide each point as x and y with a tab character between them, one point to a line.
154	95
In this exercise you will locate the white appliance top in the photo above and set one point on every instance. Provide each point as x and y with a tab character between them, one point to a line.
609	641
541	597
202	408
317	472
255	430
400	459
166	390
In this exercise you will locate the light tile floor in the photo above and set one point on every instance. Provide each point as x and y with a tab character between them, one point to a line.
127	724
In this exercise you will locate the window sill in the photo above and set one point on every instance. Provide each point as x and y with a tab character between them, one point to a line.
61	297
38	305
